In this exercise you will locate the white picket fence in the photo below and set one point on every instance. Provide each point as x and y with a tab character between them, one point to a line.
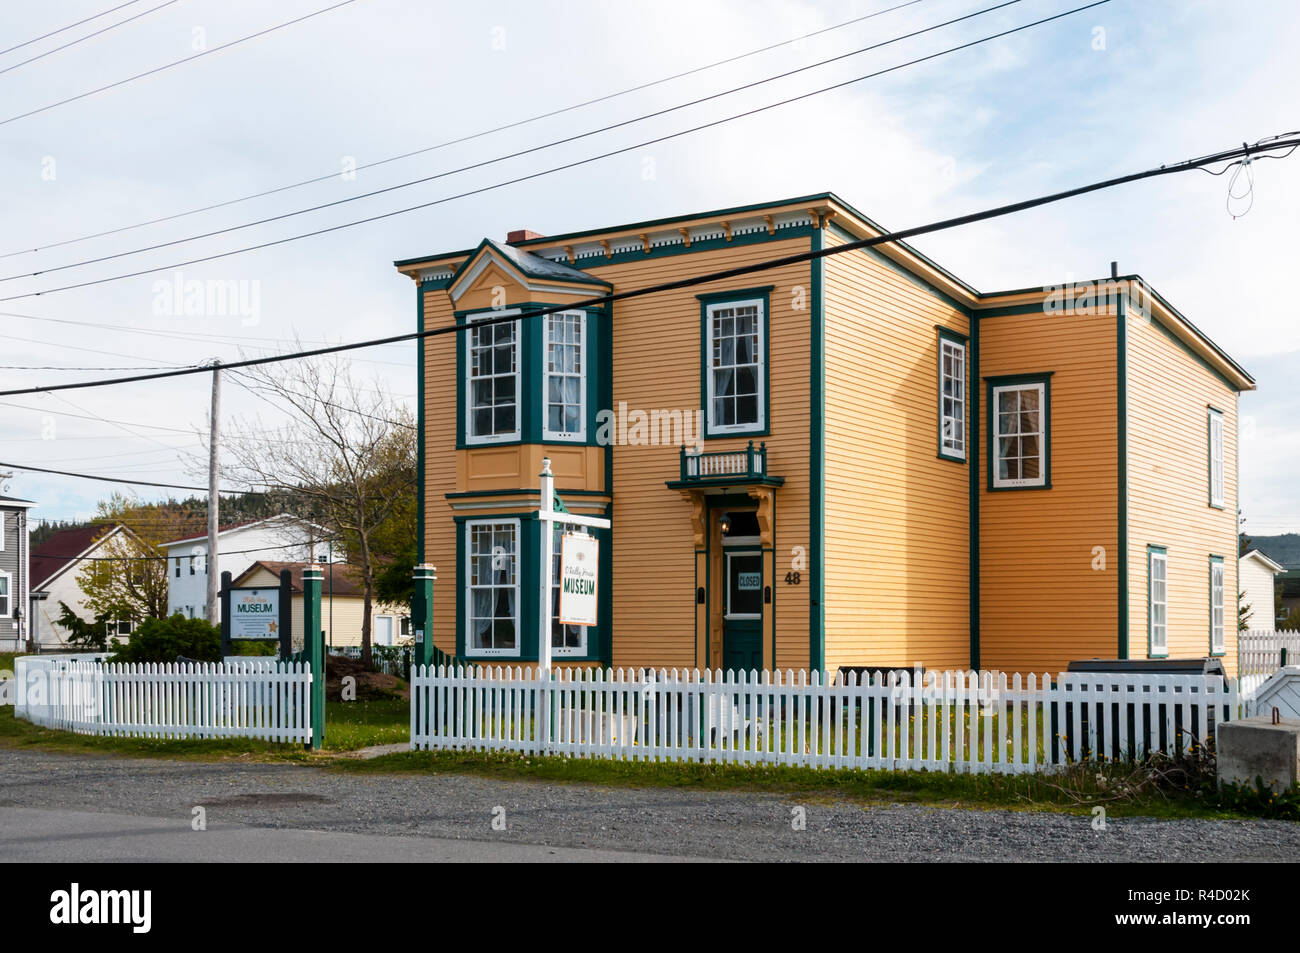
944	721
1259	652
256	698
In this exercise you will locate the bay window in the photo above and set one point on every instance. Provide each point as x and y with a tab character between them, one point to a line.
565	376
492	380
492	587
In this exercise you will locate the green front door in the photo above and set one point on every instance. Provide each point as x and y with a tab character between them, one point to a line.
742	626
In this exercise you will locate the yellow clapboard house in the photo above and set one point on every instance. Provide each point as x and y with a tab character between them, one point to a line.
855	460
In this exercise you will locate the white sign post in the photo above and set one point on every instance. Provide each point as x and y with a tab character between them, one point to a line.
548	516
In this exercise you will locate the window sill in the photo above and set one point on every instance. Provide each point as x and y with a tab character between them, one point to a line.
1017	489
951	458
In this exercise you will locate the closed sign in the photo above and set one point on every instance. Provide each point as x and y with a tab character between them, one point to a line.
579	570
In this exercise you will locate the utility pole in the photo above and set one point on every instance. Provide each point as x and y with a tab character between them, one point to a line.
214	498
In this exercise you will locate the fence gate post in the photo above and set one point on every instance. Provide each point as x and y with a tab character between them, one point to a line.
286	614
314	649
424	577
225	613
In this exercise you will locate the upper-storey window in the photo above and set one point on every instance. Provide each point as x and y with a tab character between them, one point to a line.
735	365
492	369
566	375
952	396
1019	412
1216	457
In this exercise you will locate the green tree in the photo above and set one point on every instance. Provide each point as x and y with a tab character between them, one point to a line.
92	636
166	640
127	579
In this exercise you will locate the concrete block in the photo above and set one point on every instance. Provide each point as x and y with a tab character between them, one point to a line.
1255	747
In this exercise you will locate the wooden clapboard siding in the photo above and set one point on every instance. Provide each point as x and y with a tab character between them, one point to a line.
1169	490
1041	602
656	357
440	464
897	516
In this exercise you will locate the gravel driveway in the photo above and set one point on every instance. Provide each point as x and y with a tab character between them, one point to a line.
720	825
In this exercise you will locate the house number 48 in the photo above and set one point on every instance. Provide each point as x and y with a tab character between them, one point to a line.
792	579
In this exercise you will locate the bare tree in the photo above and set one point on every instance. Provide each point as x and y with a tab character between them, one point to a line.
348	453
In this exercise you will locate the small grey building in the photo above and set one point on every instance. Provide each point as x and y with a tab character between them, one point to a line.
15	573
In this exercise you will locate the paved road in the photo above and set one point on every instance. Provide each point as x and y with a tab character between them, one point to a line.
60	807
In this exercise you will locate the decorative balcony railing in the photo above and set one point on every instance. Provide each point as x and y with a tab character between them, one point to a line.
739	465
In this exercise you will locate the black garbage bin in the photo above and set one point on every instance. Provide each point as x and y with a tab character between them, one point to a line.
1142	718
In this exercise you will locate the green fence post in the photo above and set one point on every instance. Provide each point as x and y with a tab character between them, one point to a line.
424	576
313	645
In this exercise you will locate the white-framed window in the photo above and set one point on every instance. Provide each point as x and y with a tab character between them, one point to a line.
384	627
178	567
492	587
566	376
1216	457
736	377
1020	450
1157	602
1218	619
565	639
492	379
193	561
952	398
6	602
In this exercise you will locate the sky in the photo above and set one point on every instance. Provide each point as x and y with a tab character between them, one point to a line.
1121	87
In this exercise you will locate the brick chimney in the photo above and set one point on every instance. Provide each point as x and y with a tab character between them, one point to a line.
521	235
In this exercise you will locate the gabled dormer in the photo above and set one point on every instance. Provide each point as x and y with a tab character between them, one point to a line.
527	381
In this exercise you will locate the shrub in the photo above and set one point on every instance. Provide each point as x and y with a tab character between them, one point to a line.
163	640
254	647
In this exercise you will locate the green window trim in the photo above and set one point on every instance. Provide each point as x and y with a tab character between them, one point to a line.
992	386
1217	561
1163	553
762	296
954	450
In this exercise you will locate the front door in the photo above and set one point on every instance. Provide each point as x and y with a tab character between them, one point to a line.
742	619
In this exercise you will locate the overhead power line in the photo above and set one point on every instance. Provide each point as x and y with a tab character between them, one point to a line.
560	168
108	479
167	66
521	152
64	29
82	39
696	280
466	138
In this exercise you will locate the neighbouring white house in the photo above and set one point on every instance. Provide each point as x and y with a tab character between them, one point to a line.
342	602
1257	578
56	565
278	538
